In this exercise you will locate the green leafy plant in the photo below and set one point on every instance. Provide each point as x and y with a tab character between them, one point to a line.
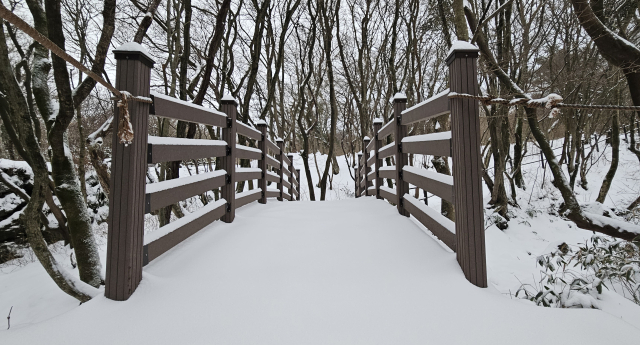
575	278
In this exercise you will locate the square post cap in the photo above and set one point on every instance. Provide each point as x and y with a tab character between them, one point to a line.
261	123
134	51
366	138
377	121
279	140
400	97
463	47
228	99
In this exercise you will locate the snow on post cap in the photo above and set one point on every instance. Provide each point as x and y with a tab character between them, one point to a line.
279	140
134	47
228	98
378	120
399	96
366	138
462	46
261	122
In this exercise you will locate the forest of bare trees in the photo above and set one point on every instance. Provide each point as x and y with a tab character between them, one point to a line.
318	72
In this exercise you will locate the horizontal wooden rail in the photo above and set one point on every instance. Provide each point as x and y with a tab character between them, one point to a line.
432	107
388	172
272	193
248	131
438	224
363	183
372	190
296	183
173	108
371	161
371	146
248	196
286	160
164	149
244	174
436	144
272	177
273	147
433	182
169	192
386	151
246	152
388	128
389	194
286	172
371	175
158	242
296	193
272	162
286	196
286	184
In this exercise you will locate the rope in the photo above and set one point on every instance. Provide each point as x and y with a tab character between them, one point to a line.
552	101
125	132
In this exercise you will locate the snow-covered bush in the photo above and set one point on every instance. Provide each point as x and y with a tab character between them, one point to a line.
575	278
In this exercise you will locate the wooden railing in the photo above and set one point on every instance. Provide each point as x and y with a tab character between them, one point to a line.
465	236
128	248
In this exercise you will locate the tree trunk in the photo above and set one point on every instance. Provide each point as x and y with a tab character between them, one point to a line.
615	155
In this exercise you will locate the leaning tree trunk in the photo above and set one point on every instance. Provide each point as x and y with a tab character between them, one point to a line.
615	155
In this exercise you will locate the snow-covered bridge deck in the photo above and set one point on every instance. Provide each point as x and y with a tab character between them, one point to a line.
342	272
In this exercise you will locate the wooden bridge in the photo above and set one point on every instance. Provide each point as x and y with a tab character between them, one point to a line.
129	250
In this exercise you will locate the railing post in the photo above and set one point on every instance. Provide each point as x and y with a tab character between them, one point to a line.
262	163
367	168
467	165
358	175
399	105
377	124
292	171
229	106
128	179
299	184
280	143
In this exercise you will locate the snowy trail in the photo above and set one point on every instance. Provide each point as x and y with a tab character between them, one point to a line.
340	272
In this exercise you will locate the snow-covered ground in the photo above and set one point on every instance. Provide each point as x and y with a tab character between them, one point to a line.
287	273
346	271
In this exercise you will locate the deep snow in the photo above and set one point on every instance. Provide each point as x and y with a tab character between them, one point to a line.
286	273
306	272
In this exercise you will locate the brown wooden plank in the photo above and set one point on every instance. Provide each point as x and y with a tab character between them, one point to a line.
272	146
173	108
433	182
388	194
128	167
439	225
377	124
244	174
388	150
402	187
229	106
436	144
371	146
286	160
435	106
272	162
248	131
387	129
169	192
371	161
170	235
273	193
162	149
467	168
388	172
248	197
280	157
262	163
271	177
246	152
